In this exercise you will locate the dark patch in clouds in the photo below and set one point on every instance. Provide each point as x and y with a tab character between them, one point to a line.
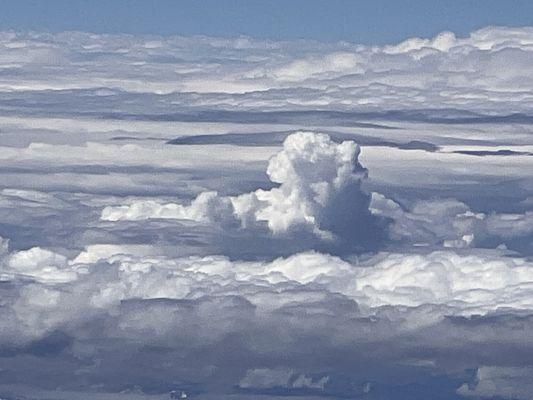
277	138
504	152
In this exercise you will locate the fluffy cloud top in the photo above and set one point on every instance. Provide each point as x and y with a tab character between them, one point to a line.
207	207
40	264
118	298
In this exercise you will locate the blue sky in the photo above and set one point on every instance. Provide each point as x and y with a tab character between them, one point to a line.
377	21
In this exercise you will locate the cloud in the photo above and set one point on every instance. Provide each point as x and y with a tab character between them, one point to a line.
471	284
449	223
444	41
302	69
320	191
317	178
510	225
477	283
265	378
126	155
486	72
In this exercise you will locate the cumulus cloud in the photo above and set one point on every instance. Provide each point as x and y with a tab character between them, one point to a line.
444	41
92	309
306	68
115	299
472	284
320	191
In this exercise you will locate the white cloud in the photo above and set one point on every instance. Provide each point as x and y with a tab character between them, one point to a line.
461	284
444	41
474	283
105	154
94	253
320	191
266	378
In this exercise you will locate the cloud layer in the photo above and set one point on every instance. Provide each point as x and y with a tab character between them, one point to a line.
487	71
177	225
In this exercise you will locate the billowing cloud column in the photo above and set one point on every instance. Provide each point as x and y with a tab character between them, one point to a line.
320	188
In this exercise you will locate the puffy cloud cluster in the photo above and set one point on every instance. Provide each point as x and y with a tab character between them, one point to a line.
319	191
299	70
112	303
463	284
472	283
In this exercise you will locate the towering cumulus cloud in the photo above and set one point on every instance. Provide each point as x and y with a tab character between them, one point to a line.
319	192
320	189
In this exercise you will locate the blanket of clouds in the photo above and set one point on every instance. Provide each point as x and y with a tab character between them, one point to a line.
247	219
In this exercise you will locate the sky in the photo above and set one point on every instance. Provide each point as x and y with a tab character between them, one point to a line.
377	22
263	218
